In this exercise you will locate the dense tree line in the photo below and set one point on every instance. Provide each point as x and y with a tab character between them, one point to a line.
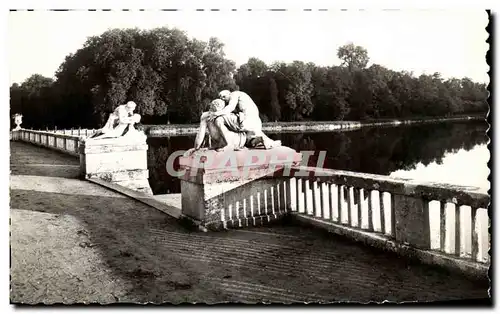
172	78
303	91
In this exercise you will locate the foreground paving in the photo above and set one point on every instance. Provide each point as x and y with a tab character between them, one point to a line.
73	241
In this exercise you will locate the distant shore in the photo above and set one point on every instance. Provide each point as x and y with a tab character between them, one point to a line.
318	126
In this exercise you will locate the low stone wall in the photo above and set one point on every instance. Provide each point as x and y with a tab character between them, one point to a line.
420	121
311	126
300	126
172	130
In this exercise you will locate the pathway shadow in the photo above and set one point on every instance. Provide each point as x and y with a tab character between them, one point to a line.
28	159
163	262
59	171
119	229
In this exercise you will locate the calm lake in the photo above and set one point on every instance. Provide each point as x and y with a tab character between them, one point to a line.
454	153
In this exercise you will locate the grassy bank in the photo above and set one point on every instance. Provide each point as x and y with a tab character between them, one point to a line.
319	126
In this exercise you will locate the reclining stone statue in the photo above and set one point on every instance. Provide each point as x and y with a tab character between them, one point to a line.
120	122
233	127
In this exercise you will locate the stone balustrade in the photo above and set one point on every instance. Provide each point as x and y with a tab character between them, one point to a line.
449	222
61	142
438	223
122	161
78	132
235	189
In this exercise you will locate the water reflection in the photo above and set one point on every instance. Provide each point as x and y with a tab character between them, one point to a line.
408	151
460	167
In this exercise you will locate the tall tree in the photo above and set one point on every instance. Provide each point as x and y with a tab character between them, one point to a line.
294	83
170	76
33	99
353	57
275	113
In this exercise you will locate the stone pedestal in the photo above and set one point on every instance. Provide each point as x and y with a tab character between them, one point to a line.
120	160
14	134
237	188
412	221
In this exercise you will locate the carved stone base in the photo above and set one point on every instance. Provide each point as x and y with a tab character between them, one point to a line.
412	221
120	160
236	189
14	134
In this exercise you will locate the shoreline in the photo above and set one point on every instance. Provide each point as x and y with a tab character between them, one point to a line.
304	126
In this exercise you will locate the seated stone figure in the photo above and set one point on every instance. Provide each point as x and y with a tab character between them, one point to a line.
120	122
216	140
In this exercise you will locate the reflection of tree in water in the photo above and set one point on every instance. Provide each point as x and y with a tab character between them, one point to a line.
384	150
297	141
159	150
371	150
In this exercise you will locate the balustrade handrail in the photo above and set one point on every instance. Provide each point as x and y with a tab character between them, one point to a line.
457	194
62	142
402	209
59	135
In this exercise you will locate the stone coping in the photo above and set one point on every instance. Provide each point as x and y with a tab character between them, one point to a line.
138	138
462	195
53	134
141	197
211	159
232	175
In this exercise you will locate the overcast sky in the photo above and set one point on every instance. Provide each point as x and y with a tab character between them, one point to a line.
449	42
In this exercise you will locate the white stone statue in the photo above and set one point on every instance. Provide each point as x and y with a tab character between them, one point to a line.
233	126
241	115
18	119
120	123
216	140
